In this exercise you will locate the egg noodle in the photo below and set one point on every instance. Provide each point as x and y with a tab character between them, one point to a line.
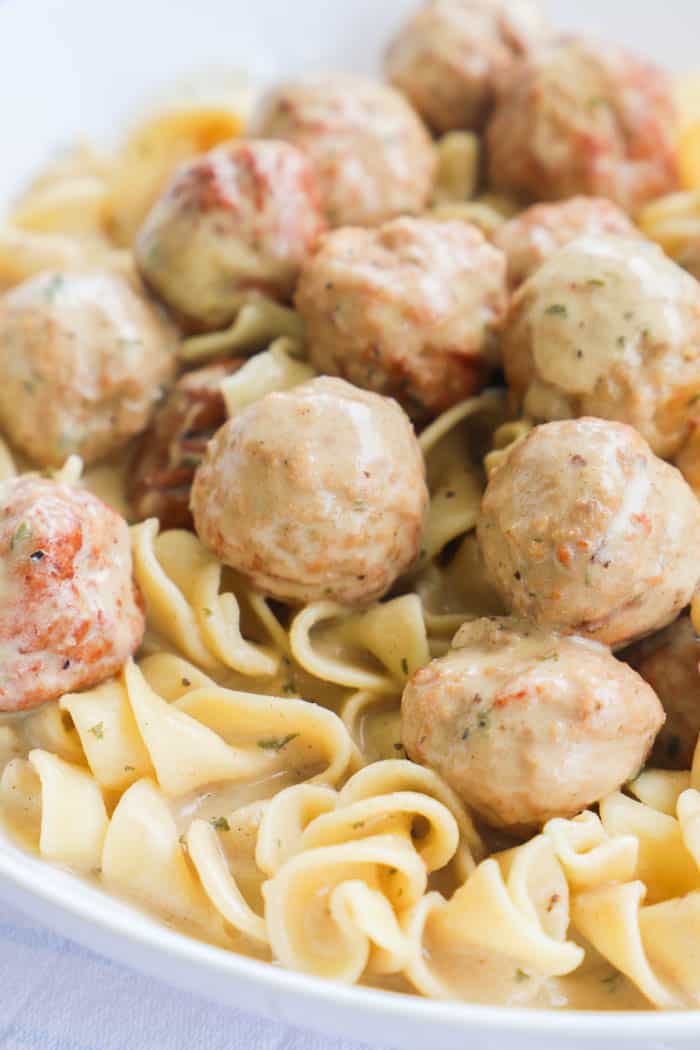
243	779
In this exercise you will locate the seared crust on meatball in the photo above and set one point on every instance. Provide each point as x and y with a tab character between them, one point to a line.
71	616
318	492
373	157
162	469
84	358
669	662
526	725
237	221
584	117
409	310
534	235
583	530
448	58
608	327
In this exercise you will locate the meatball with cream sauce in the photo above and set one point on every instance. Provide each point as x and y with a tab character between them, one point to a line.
530	238
526	725
71	615
409	310
235	222
448	58
373	156
585	531
584	117
669	661
84	359
608	327
315	493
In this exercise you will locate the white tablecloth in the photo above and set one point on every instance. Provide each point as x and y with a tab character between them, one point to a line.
54	995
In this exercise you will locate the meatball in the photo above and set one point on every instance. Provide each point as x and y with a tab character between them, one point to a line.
408	310
583	530
450	55
373	157
237	221
530	238
164	462
83	358
583	117
318	492
669	661
608	327
71	615
526	725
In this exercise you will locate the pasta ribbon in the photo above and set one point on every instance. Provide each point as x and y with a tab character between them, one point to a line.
375	650
664	865
367	850
459	161
143	860
609	918
277	368
512	913
589	855
181	581
258	323
455	478
59	806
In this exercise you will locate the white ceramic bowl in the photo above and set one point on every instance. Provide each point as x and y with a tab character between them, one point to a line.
74	67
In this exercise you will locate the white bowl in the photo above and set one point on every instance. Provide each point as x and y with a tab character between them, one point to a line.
70	68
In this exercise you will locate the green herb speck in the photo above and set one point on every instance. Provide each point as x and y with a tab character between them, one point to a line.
557	310
21	533
277	743
98	730
521	976
220	823
404	665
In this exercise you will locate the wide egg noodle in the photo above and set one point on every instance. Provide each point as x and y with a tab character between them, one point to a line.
180	581
275	369
61	804
143	860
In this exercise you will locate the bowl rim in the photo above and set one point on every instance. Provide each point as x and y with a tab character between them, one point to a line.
65	896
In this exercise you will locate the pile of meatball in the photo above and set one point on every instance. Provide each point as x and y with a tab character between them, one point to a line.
588	532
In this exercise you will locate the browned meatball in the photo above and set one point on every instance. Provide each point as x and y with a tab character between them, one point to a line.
84	358
167	455
448	58
526	725
583	117
608	327
71	615
532	237
373	157
318	492
669	661
585	531
409	310
240	219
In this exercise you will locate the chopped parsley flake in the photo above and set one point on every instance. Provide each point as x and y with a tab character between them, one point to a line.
521	976
277	743
557	310
98	730
404	665
484	720
129	769
54	287
596	282
220	823
207	612
22	532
